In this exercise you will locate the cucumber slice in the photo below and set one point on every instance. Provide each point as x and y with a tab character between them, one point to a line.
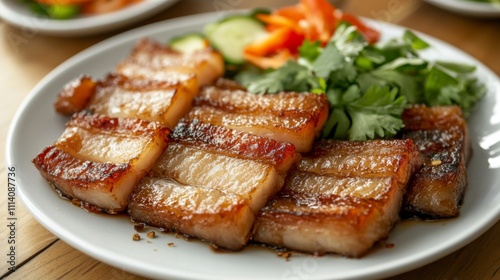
189	43
231	35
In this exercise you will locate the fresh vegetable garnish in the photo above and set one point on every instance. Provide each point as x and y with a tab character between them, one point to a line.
368	86
232	34
189	43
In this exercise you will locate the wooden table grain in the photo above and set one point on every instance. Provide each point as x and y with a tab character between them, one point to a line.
27	56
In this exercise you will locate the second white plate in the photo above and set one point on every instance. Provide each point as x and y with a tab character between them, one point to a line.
469	8
17	14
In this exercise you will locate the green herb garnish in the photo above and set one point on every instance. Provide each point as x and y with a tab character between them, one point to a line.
369	86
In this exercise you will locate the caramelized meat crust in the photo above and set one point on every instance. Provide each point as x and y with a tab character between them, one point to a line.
342	198
236	143
441	136
201	189
151	100
287	117
98	159
152	60
75	95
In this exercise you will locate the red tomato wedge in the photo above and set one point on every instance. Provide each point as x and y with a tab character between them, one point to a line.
279	39
275	60
275	21
320	14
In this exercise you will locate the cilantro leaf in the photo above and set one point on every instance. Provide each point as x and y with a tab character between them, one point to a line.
457	67
408	86
290	77
374	114
329	60
414	41
368	126
377	114
441	88
309	52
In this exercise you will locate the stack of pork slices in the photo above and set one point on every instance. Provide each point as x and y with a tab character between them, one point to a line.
166	139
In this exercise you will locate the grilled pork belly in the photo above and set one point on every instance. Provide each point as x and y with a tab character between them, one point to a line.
75	96
214	216
154	83
119	96
151	100
151	60
398	159
98	160
342	198
238	144
440	134
200	189
289	117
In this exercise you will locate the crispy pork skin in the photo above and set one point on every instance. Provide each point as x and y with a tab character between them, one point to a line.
441	136
200	189
234	143
98	159
214	216
152	60
334	202
289	117
399	159
151	100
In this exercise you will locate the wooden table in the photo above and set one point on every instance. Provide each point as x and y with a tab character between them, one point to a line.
26	57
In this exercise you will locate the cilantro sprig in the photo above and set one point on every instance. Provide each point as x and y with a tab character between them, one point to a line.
369	86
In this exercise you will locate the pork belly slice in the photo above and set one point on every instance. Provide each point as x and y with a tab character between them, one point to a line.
251	180
343	210
242	178
151	60
98	159
234	143
288	117
164	102
441	136
347	218
75	95
209	214
399	159
298	131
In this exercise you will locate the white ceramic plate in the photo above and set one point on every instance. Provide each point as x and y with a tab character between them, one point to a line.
21	16
109	238
469	8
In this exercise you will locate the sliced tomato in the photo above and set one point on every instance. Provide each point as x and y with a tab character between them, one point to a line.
274	21
371	35
273	61
278	39
321	16
295	12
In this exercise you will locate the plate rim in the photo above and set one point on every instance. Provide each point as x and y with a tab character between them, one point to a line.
165	26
